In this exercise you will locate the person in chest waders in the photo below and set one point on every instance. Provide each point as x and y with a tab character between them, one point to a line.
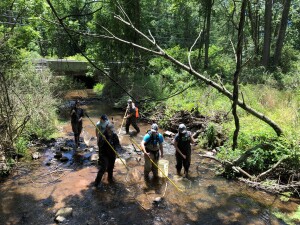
151	144
131	117
182	143
107	156
76	122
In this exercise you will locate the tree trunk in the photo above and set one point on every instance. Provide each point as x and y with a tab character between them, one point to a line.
282	30
254	28
207	32
267	33
235	93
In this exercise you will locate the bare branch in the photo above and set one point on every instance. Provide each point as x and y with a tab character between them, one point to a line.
189	55
235	56
81	15
262	175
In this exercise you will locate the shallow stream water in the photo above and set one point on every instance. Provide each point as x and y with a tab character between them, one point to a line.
35	191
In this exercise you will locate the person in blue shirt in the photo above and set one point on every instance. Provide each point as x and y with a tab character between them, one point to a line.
151	145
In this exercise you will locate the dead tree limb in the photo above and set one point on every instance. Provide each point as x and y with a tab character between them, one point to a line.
264	174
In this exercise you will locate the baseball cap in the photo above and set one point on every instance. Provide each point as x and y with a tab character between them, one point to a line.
104	117
154	127
182	128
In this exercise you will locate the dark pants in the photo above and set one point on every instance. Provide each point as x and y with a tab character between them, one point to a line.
106	163
180	161
132	121
77	128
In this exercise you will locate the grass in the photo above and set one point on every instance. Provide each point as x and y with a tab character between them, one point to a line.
280	106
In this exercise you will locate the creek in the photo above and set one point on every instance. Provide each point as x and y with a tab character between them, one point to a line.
35	191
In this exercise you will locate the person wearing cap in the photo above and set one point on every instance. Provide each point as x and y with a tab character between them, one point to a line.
101	126
131	117
182	143
107	156
76	121
151	145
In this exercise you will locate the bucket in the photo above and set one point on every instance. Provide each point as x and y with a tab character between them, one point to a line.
163	164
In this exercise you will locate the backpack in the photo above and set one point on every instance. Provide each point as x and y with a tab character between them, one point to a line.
151	137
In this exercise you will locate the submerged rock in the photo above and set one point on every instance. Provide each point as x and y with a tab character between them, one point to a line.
60	219
36	155
64	212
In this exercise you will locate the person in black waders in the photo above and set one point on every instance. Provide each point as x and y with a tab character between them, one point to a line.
182	143
131	117
107	156
151	144
76	122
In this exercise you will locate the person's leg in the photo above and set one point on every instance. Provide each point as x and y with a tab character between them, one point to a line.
155	158
79	130
134	124
110	168
76	139
127	126
187	163
103	163
178	163
147	166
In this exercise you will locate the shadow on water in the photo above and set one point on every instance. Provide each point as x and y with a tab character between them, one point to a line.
34	193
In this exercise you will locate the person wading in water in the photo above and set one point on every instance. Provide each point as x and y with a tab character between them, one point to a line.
182	143
76	122
151	144
131	117
107	156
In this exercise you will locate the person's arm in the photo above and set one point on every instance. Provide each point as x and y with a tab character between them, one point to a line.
97	133
81	115
192	139
129	114
143	143
177	149
161	148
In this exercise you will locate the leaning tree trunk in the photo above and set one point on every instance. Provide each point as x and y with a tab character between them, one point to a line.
281	34
235	93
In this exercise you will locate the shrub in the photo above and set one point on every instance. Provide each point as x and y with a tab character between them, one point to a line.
98	88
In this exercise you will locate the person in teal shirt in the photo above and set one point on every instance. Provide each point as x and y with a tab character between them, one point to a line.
152	144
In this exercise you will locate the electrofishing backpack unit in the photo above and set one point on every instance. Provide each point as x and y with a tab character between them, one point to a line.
151	137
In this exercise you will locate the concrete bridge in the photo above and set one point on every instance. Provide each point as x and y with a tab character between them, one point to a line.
63	67
67	67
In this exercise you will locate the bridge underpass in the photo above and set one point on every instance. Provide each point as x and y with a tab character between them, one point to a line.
66	67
